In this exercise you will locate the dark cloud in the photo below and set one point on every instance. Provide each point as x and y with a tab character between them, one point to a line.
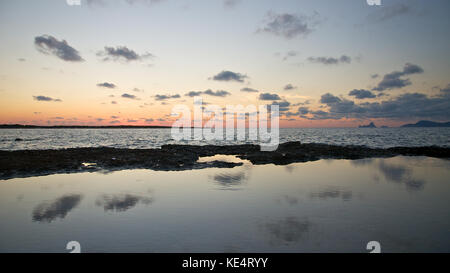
393	80
45	98
248	89
283	106
122	53
50	45
218	93
409	105
329	98
107	85
59	208
129	96
330	60
268	96
166	97
362	94
288	25
193	93
289	87
229	76
387	12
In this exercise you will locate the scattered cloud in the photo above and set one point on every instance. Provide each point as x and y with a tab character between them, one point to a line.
248	89
45	98
218	93
229	76
129	96
166	97
330	60
268	96
288	25
393	80
289	87
122	53
107	85
396	108
362	94
51	46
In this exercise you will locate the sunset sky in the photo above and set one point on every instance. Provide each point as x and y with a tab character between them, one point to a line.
327	63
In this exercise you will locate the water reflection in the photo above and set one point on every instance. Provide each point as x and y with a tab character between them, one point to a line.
59	208
230	180
302	207
332	193
287	230
121	202
400	174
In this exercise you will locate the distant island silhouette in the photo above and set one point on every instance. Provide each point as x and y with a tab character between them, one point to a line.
370	125
427	123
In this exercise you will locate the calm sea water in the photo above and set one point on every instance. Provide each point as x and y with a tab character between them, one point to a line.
322	206
154	138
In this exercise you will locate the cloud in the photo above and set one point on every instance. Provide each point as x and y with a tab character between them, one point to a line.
425	107
166	97
115	117
229	76
107	85
268	96
330	60
50	45
283	106
388	12
248	89
393	80
129	96
218	93
122	53
288	25
113	102
362	94
329	98
138	90
289	87
45	98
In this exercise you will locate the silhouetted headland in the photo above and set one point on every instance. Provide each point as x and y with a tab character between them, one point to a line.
427	123
25	163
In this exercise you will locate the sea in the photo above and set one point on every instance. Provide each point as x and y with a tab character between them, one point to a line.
26	139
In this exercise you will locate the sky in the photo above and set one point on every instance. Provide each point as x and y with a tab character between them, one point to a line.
326	63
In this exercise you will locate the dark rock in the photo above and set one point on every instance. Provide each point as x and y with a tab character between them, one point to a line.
25	163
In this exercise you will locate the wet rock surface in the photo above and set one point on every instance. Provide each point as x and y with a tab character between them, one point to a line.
26	163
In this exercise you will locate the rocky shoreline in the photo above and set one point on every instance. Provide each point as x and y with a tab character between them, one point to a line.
26	163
